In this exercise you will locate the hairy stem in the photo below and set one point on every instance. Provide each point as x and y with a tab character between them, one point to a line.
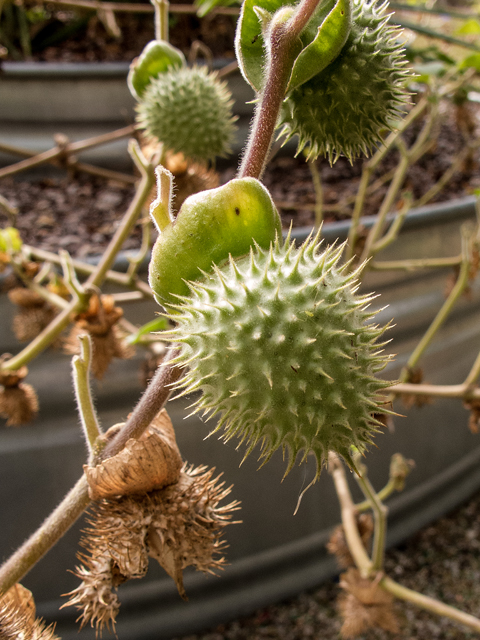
380	512
282	51
81	380
77	500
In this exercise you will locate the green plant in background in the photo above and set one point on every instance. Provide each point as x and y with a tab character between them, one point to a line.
275	337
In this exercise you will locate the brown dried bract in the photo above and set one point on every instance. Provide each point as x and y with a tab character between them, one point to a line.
364	605
474	420
33	316
152	462
18	400
100	322
17	617
415	376
337	544
179	525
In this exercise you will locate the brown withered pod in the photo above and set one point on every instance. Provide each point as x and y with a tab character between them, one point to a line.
364	605
100	321
17	617
148	504
33	315
18	399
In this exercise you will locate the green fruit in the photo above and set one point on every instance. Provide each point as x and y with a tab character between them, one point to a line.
157	57
345	108
190	111
283	351
210	226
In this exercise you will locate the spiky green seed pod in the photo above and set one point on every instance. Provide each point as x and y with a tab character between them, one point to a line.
190	111
344	109
283	351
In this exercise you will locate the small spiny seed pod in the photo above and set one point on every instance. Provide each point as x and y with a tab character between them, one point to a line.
281	347
344	109
190	111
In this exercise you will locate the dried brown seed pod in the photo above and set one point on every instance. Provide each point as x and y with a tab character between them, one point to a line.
149	463
18	400
179	525
100	322
17	617
364	605
33	316
337	544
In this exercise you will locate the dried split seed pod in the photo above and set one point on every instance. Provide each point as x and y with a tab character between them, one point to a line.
18	400
100	322
180	525
149	463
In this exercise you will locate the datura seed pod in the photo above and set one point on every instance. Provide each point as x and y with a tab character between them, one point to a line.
210	226
283	351
189	110
344	109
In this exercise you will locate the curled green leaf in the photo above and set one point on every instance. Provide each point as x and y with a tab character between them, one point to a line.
329	41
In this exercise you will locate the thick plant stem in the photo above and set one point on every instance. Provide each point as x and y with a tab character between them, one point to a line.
354	541
429	604
380	512
461	391
81	380
317	185
282	50
154	398
54	527
161	19
77	500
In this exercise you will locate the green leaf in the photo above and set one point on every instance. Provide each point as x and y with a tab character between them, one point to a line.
329	41
249	40
470	28
159	324
471	61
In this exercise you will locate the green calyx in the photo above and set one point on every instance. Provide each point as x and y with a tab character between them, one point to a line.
190	111
345	109
210	226
157	57
283	351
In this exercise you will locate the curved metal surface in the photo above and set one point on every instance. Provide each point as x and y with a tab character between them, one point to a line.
273	555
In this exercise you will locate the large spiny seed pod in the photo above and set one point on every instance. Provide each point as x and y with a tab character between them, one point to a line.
189	110
281	347
17	617
345	108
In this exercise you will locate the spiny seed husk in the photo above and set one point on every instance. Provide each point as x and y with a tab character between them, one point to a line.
189	110
282	349
344	109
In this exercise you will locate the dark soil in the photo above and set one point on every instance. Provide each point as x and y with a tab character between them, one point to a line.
79	36
441	561
81	214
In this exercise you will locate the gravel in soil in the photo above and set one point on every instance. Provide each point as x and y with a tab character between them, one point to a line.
81	214
441	561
